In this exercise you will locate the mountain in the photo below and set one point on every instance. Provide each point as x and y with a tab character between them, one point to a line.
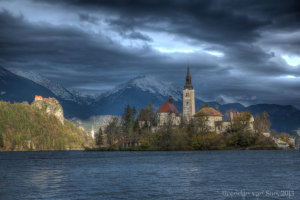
283	118
54	87
136	92
15	88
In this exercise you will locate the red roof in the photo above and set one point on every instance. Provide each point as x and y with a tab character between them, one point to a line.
208	111
168	108
49	98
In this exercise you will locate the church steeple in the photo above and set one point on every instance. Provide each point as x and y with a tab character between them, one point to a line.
188	80
188	103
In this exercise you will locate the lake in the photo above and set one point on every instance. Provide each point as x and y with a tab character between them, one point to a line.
150	175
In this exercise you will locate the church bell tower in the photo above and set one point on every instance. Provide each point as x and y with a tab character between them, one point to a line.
188	99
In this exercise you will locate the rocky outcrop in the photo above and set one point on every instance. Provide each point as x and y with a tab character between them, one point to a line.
49	105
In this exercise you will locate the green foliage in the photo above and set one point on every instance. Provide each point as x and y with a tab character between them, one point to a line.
99	138
241	139
1	141
24	127
201	121
136	126
193	136
205	105
128	119
148	114
262	122
113	131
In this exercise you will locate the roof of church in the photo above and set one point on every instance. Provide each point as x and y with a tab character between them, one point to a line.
209	111
168	108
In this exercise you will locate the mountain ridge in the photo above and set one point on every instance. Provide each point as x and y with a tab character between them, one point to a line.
136	92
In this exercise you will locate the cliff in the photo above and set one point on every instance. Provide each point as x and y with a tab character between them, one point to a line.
49	105
39	126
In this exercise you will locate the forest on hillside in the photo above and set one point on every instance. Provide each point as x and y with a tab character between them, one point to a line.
23	127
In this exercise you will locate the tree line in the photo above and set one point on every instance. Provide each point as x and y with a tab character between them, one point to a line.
127	133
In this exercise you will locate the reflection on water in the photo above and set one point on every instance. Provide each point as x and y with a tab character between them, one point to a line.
45	178
149	175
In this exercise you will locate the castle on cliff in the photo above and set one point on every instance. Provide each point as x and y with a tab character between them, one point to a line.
50	105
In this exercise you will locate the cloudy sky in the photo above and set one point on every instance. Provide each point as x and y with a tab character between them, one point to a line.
242	51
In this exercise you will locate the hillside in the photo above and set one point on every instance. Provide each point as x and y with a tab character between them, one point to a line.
25	127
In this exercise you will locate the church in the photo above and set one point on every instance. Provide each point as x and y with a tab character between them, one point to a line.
169	115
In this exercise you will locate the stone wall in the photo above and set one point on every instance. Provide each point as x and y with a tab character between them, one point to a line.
165	118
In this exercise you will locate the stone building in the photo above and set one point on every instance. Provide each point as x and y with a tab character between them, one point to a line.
212	118
188	106
168	114
243	117
142	120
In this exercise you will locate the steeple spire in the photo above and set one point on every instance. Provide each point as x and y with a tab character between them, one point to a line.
188	80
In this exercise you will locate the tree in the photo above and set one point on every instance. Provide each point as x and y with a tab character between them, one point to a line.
241	138
99	137
202	120
266	121
241	121
1	140
262	122
128	119
205	105
136	126
134	112
113	132
147	114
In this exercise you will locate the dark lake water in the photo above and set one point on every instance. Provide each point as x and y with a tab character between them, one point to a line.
150	175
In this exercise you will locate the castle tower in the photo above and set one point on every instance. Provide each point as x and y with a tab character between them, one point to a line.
188	99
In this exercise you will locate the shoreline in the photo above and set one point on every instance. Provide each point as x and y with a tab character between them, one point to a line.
86	149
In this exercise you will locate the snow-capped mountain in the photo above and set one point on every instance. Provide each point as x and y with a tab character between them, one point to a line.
15	88
148	84
54	87
138	92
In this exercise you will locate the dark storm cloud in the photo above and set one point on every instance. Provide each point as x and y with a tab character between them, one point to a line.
62	51
113	41
88	18
219	20
137	35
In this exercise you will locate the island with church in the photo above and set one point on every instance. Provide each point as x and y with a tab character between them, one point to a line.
205	129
